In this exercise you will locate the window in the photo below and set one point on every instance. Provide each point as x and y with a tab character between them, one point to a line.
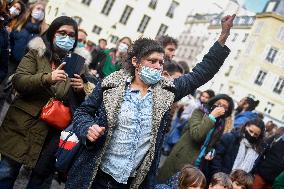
143	24
268	107
153	4
125	15
56	12
97	29
78	20
113	39
235	37
245	37
270	7
260	77
249	48
271	54
229	71
172	8
280	35
48	9
237	54
107	7
162	30
86	2
279	86
259	27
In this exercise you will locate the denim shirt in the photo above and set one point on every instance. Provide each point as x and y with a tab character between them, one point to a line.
131	138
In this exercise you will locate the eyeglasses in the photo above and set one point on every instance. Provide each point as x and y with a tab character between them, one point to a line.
64	34
82	41
154	61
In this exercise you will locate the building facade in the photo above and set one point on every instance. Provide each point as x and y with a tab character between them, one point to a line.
191	40
261	68
256	68
113	19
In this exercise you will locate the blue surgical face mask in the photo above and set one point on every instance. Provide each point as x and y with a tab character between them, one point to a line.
64	42
150	76
80	45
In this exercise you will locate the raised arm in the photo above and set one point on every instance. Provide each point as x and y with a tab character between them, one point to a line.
209	66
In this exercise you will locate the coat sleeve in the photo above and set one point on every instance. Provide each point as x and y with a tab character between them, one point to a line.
26	79
85	115
202	72
4	55
199	126
217	164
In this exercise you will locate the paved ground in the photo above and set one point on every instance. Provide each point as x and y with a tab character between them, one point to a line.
22	181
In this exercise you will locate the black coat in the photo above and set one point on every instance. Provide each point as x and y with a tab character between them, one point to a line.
4	53
272	162
226	153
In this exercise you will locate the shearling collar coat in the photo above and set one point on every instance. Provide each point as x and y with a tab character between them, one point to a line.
103	106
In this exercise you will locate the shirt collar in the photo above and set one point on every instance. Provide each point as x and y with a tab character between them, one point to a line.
128	82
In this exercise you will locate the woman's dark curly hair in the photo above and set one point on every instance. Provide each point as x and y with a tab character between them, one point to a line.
141	48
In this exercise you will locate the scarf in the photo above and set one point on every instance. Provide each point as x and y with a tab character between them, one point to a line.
212	138
246	156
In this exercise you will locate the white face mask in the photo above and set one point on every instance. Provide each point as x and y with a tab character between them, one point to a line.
38	15
14	11
122	47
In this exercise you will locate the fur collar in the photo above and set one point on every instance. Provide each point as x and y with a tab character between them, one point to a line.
120	77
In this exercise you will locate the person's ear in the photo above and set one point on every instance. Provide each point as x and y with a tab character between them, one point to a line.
166	74
134	62
246	105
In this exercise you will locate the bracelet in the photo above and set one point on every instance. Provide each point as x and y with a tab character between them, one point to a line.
212	118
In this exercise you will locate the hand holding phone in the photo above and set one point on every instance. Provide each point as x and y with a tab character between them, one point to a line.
58	74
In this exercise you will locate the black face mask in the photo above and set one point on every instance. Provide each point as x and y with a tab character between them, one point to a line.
250	138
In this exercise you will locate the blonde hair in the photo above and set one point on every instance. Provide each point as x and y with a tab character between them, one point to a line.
222	179
25	18
191	176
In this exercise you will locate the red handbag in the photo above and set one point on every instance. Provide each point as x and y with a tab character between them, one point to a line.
56	114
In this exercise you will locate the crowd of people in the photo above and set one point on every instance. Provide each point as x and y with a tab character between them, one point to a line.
131	106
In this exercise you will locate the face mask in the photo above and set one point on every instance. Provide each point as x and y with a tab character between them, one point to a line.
14	11
80	45
38	15
122	47
65	43
250	138
150	76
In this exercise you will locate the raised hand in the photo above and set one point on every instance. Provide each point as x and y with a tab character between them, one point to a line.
227	24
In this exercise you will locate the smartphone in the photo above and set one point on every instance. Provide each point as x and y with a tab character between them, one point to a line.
74	64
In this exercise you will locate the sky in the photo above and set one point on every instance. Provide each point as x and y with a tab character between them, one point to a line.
255	5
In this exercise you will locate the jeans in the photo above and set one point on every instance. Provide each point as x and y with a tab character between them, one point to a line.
9	170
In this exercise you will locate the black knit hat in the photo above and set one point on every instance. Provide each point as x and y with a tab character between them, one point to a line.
212	101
